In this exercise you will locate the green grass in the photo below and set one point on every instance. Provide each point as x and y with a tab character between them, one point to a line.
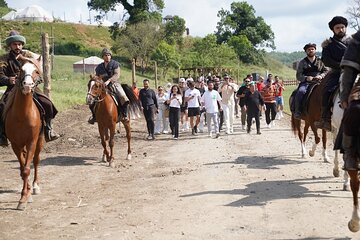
286	95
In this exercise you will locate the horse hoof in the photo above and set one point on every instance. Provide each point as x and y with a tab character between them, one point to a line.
36	189
311	153
346	187
21	206
326	160
336	173
103	159
30	199
128	157
353	227
112	164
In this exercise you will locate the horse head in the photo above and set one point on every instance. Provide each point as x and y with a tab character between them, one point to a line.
30	74
96	88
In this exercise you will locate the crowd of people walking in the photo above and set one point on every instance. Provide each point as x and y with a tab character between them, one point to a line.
213	101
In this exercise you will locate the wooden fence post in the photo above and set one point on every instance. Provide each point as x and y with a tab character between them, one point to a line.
133	73
156	75
46	63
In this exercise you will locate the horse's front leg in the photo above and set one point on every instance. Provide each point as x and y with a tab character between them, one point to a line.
128	137
105	156
25	173
111	145
36	187
324	153
353	224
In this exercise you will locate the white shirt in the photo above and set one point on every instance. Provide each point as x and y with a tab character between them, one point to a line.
210	100
173	102
228	92
196	97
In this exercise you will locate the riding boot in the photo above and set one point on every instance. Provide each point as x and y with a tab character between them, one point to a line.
92	119
123	109
50	134
3	138
297	113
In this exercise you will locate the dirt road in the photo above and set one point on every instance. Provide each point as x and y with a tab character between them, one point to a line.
238	186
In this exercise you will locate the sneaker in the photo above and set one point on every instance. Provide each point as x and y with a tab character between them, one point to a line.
258	132
193	131
150	137
273	123
157	133
175	138
195	128
243	127
217	135
269	125
165	132
278	117
210	135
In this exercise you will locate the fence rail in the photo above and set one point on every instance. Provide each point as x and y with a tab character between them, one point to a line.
290	82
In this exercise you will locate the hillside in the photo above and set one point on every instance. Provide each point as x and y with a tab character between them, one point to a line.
75	37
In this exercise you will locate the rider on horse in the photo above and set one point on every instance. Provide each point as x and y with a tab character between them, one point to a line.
109	71
310	69
10	67
350	101
332	53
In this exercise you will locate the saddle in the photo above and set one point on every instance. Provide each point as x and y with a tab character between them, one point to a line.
305	101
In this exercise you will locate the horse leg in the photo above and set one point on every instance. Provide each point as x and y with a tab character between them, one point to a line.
336	170
317	140
111	146
128	137
346	186
353	224
103	143
36	187
301	137
306	131
324	153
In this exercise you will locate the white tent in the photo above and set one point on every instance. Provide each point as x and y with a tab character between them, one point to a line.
9	16
88	64
32	13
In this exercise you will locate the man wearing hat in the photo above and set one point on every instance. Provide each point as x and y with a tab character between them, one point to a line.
109	70
310	69
332	53
9	71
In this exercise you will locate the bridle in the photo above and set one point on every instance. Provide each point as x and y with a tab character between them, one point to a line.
20	82
97	97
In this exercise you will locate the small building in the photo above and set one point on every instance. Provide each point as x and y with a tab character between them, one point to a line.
87	65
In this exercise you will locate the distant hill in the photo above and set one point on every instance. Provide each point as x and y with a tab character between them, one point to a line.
70	38
287	58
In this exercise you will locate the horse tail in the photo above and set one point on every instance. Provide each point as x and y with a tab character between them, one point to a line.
293	124
134	103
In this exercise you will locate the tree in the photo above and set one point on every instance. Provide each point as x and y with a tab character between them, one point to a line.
174	30
206	52
166	57
242	23
139	10
354	15
138	41
3	4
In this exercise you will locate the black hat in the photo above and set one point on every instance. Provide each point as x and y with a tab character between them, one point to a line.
337	20
309	45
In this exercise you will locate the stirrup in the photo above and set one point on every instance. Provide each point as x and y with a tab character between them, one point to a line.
92	120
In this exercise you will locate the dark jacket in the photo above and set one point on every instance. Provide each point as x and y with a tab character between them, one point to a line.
111	71
10	67
307	68
333	51
253	101
148	98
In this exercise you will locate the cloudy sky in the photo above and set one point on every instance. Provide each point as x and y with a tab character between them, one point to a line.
294	23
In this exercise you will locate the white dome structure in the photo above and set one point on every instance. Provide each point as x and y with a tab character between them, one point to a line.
32	13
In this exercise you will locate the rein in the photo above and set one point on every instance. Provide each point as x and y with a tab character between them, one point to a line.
97	97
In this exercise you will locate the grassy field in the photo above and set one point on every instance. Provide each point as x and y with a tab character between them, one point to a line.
286	95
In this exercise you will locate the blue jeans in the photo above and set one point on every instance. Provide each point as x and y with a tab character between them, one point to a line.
303	86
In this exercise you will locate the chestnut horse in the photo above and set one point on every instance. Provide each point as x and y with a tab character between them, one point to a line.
310	117
23	126
106	114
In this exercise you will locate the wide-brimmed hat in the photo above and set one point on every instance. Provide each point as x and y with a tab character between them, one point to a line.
309	45
14	36
337	20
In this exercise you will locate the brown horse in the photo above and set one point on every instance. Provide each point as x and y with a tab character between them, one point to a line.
107	116
23	126
310	117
